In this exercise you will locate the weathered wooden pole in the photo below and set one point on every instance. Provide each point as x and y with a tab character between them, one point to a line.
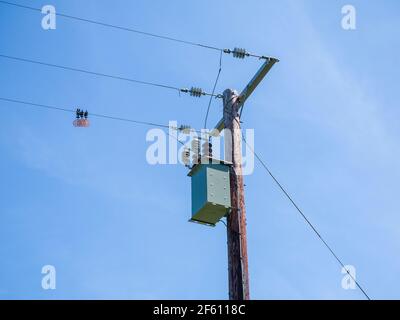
236	220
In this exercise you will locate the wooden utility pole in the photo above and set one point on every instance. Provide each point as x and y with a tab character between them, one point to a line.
236	220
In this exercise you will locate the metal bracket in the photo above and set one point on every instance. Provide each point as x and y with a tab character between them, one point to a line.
248	90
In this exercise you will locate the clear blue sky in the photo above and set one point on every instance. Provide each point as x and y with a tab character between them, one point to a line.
87	202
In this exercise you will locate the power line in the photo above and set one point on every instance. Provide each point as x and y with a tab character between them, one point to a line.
99	74
108	25
91	114
144	33
213	91
304	217
96	115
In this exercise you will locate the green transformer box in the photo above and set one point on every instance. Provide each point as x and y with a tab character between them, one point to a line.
211	195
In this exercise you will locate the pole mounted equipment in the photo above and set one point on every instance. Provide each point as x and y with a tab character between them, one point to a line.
196	92
186	157
238	275
196	150
206	151
186	129
239	53
251	86
242	53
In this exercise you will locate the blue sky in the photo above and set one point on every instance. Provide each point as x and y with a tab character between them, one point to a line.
87	202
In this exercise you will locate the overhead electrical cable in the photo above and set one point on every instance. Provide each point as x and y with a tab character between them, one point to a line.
213	91
45	106
304	217
237	52
192	91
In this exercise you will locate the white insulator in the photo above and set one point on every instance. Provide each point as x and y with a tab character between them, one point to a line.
186	156
185	129
239	53
205	149
196	92
196	150
195	145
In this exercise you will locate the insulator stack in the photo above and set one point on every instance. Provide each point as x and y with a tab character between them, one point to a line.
81	119
239	53
195	150
196	92
207	149
186	156
185	129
